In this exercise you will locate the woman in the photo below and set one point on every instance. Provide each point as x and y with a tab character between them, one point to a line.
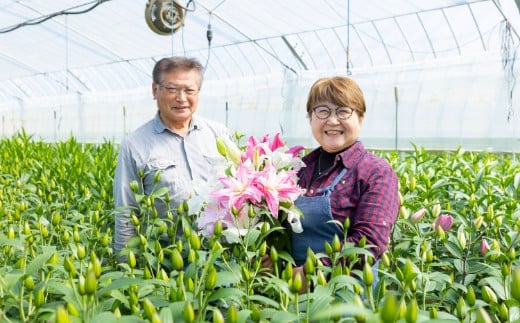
342	180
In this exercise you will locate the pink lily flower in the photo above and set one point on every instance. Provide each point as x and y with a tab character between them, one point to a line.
445	221
276	187
239	189
417	216
484	247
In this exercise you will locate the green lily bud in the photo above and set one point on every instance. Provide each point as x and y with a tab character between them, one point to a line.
498	221
255	313
322	280
461	237
433	313
408	269
188	313
147	274
460	308
178	262
403	212
157	177
232	315
211	279
368	275
185	206
346	224
273	254
297	283
29	282
336	244
134	186
288	272
412	311
61	315
164	276
490	214
80	252
95	263
192	256
149	308
389	309
143	241
72	309
362	242
511	254
76	237
217	316
132	262
503	312
217	229
515	283
470	296
90	282
440	232
81	285
221	147
478	222
436	211
328	248
488	295
505	269
309	266
195	241
263	249
69	266
39	297
412	183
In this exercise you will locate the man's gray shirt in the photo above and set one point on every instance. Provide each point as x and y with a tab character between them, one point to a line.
180	160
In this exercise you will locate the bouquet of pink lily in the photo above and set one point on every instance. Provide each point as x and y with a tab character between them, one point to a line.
258	186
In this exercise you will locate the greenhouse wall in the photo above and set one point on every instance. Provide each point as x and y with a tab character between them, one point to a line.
441	104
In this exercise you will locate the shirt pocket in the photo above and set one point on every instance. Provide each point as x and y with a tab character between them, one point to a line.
161	164
169	174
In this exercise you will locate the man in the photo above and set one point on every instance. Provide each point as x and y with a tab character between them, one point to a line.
172	150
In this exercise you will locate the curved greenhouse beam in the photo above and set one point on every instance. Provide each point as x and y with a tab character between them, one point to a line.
324	46
293	52
382	41
478	27
369	55
427	35
404	37
451	31
247	37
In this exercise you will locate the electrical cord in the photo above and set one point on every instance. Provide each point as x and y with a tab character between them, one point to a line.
42	19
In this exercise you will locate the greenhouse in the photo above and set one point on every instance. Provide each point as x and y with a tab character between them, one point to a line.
259	161
440	74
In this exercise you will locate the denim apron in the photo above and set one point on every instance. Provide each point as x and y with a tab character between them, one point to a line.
317	228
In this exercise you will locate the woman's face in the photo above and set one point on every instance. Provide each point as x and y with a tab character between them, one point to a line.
334	133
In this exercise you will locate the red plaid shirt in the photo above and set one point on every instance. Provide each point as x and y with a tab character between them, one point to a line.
367	194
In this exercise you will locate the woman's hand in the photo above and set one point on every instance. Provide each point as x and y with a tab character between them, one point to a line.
267	264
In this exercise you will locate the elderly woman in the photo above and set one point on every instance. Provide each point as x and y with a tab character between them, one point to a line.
342	180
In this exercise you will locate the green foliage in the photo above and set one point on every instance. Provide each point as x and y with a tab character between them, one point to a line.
57	263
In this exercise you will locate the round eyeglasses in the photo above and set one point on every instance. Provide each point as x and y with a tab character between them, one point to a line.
178	90
324	112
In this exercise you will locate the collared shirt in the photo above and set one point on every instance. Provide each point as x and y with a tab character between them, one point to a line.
367	194
180	160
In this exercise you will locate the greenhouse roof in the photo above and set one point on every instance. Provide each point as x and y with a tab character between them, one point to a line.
50	48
